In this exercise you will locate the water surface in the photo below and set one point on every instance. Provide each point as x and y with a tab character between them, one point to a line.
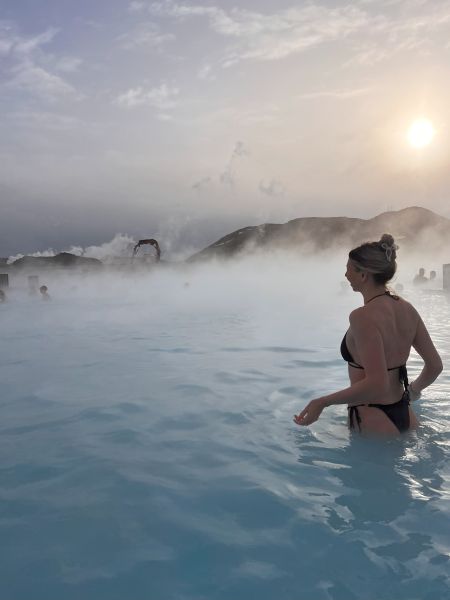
148	451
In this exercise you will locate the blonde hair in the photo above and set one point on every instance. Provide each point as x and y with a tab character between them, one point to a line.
377	258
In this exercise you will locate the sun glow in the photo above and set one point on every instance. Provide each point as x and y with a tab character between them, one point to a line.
421	133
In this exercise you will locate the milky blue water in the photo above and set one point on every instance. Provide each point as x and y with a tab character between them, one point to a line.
147	448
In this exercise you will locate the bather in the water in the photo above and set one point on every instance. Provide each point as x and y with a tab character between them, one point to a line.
376	348
44	292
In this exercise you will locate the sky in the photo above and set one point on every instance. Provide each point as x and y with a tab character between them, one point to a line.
187	120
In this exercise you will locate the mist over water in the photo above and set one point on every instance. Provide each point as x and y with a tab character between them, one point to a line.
148	448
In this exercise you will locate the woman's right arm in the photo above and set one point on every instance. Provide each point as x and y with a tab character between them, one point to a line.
424	346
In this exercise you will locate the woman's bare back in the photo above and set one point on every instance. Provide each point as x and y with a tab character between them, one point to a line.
397	321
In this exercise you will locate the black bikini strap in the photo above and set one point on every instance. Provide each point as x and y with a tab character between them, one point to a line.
353	412
403	376
385	293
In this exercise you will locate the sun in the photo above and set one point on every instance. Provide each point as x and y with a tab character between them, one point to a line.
421	133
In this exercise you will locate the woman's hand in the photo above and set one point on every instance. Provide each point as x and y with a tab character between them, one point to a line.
310	413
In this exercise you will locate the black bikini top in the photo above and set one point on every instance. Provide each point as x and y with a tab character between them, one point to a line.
346	355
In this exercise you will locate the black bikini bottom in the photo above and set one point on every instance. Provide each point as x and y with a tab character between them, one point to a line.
398	413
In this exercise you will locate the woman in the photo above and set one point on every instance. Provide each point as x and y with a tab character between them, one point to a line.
376	347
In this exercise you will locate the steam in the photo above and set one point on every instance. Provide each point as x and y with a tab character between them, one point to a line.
228	175
429	247
170	235
120	246
45	253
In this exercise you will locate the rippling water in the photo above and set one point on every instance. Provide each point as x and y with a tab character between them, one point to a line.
148	451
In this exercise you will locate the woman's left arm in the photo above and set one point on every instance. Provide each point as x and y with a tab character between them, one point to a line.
370	347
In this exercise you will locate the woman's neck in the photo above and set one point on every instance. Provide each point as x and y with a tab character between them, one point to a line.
372	292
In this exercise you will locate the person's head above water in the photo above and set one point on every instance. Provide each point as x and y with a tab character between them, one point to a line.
377	258
43	289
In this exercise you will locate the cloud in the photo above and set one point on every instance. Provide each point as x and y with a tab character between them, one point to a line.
145	34
161	98
376	28
336	94
17	46
27	46
29	65
39	82
137	6
402	32
371	53
7	38
260	36
205	73
68	64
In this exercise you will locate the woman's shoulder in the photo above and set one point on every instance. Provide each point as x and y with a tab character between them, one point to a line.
356	313
361	315
407	306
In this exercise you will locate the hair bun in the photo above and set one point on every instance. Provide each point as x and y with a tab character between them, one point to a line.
387	239
388	245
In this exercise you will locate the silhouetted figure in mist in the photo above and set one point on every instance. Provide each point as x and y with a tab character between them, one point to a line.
149	242
420	278
432	275
44	293
2	296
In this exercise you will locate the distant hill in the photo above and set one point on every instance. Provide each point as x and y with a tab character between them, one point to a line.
63	260
411	227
